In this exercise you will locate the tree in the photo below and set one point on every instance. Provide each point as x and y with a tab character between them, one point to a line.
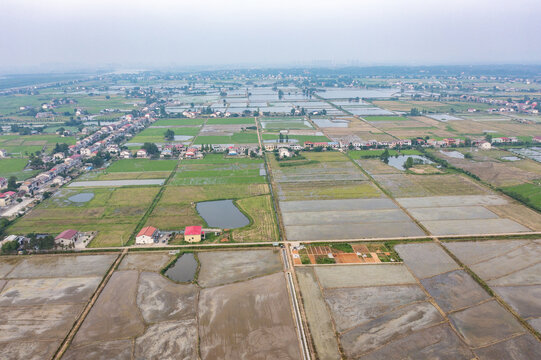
280	94
169	135
10	247
385	156
12	183
415	112
488	138
151	148
408	163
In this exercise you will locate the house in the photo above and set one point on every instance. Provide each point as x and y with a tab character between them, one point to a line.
142	153
193	234
125	154
233	151
3	153
7	198
146	235
537	139
269	147
190	153
67	237
59	156
484	145
283	152
3	182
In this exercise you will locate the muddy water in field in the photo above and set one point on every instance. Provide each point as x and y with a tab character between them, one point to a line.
184	269
222	214
398	161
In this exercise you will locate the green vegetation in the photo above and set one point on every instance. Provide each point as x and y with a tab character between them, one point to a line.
231	120
325	260
157	135
15	167
300	138
114	213
178	122
247	137
529	193
219	170
138	165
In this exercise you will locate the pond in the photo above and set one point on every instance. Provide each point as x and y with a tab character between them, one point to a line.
453	154
81	198
222	214
398	161
510	158
184	269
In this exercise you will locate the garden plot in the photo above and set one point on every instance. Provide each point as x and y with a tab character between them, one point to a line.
450	215
511	268
377	312
40	299
345	219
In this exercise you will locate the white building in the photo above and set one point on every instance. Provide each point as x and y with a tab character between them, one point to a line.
146	235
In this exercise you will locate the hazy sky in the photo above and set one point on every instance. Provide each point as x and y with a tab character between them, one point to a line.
56	34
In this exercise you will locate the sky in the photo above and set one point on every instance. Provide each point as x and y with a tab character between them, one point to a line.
57	35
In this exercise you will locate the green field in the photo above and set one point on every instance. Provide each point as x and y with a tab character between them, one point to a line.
529	193
156	135
222	159
178	122
237	138
24	145
141	165
15	167
219	170
231	120
114	213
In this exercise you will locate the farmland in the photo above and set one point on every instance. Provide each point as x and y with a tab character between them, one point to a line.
15	167
141	165
174	315
114	213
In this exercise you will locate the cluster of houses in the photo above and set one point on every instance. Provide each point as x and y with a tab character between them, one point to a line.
150	235
104	138
525	107
69	238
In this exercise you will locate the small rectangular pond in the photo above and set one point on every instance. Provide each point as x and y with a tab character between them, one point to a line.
222	214
184	269
398	161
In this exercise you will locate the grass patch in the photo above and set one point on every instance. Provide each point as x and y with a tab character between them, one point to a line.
179	122
247	137
141	165
231	121
529	193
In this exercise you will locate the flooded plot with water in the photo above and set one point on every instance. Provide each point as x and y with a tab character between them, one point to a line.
142	314
41	297
511	268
